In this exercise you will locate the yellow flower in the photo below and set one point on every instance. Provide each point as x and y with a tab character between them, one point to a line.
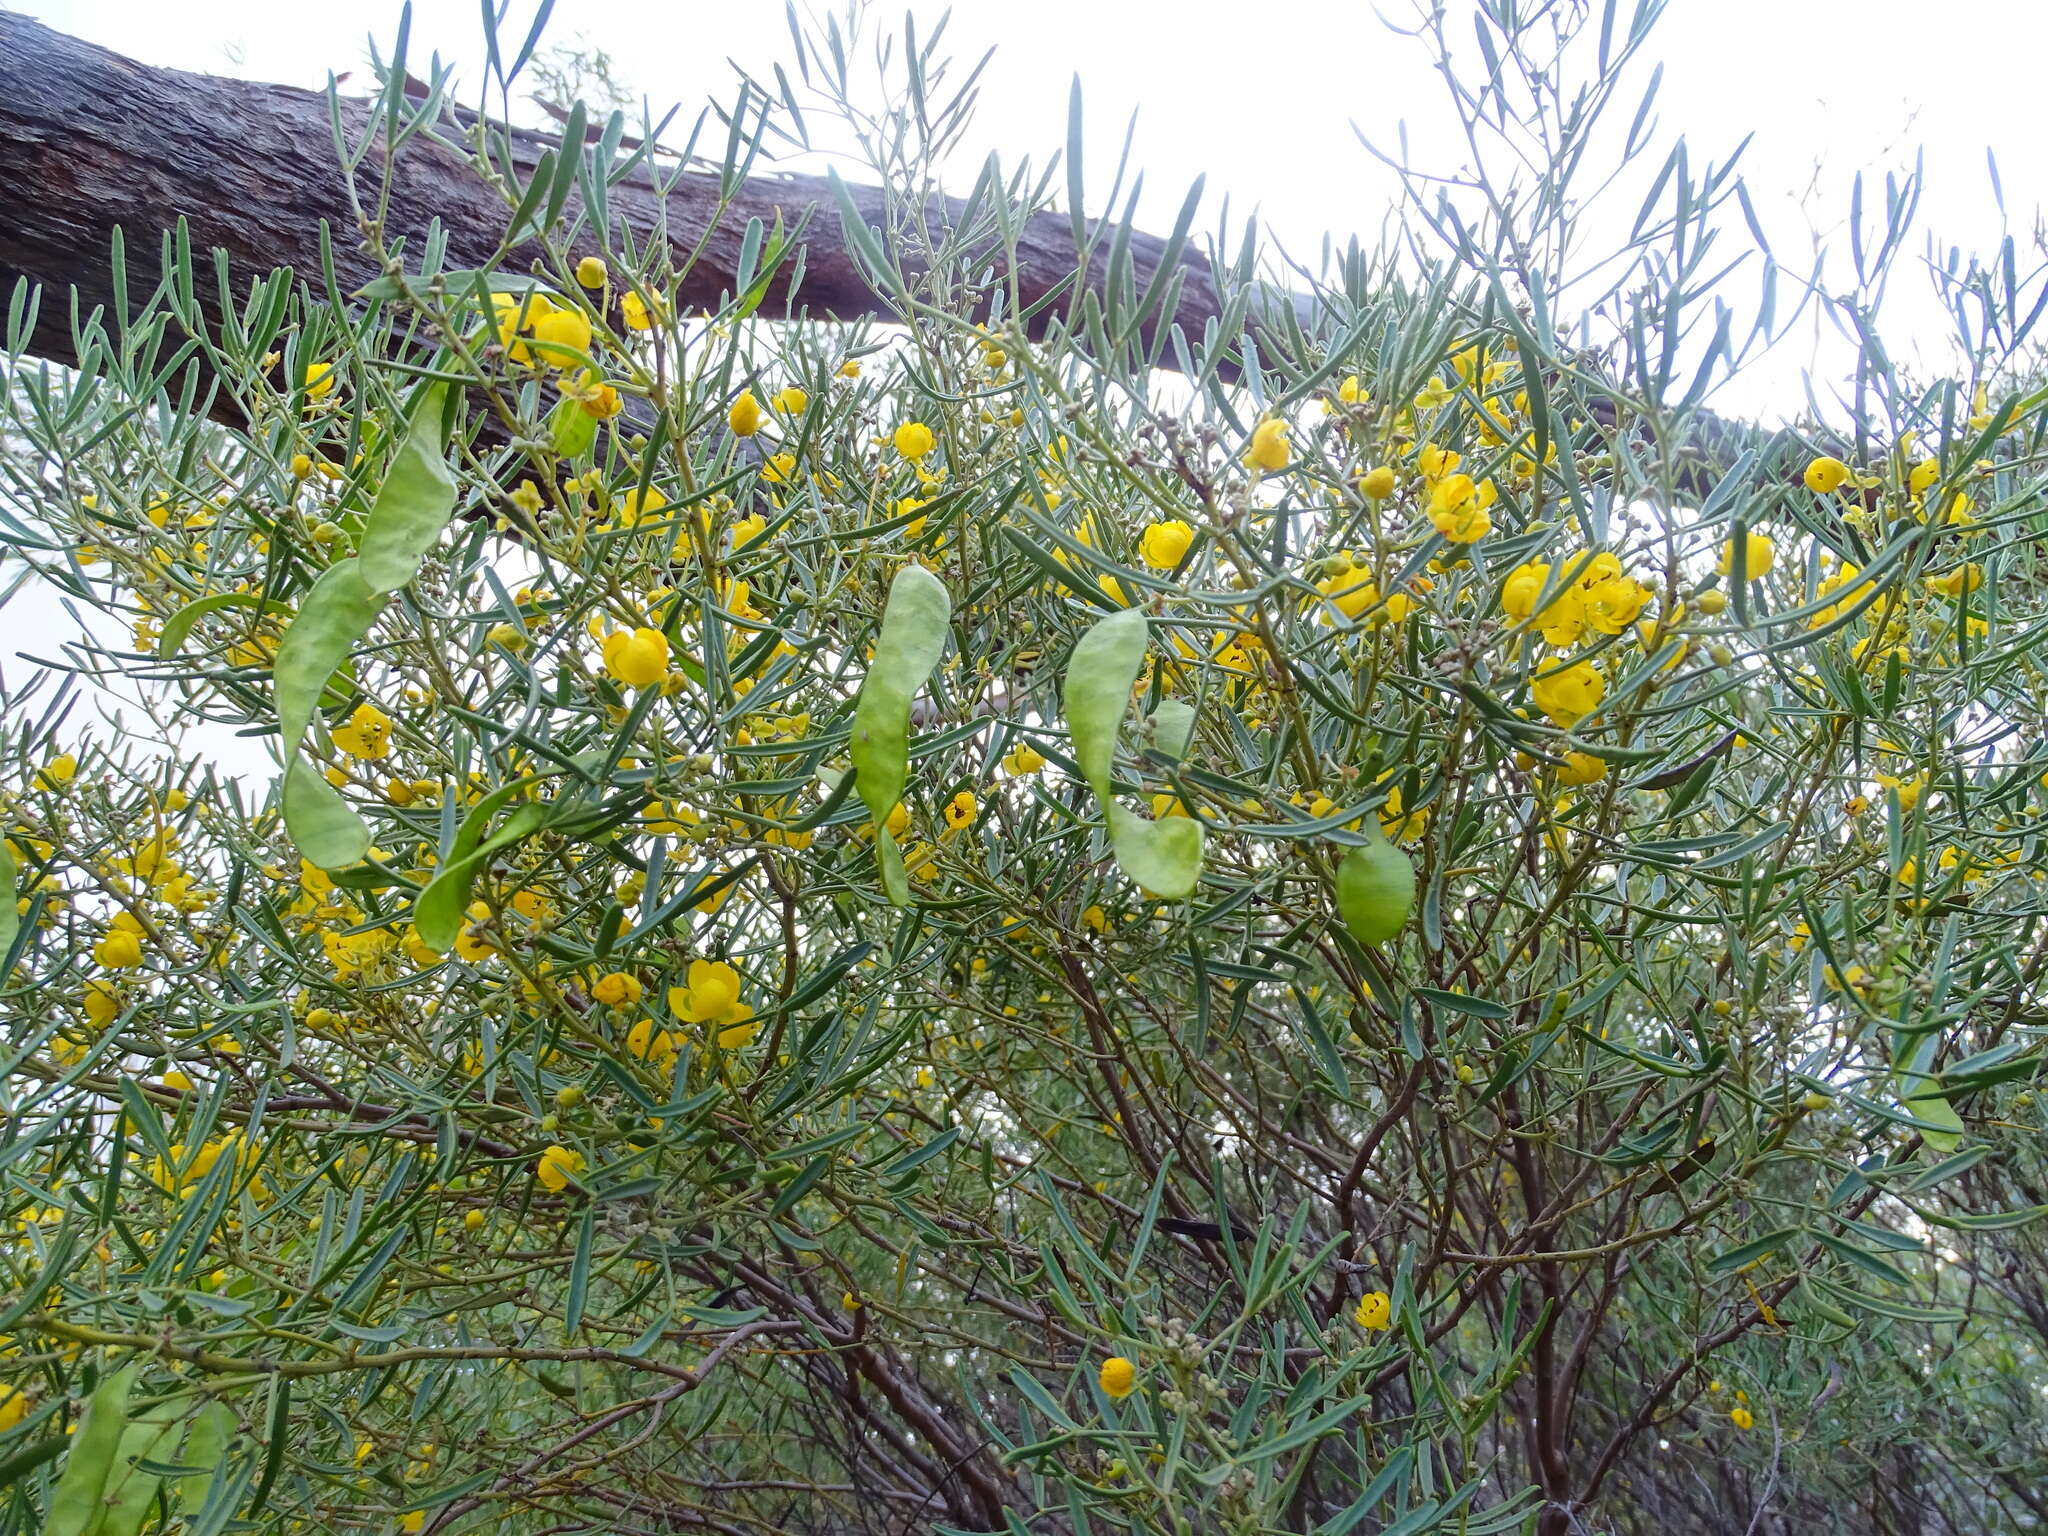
1458	508
1378	482
319	380
1568	692
119	950
102	1002
1119	1377
559	335
1269	449
616	990
1163	545
13	1407
1825	475
1435	462
639	314
591	272
1967	577
1921	477
745	416
1581	768
58	770
599	401
1562	620
1375	1312
513	315
637	658
961	811
791	401
747	529
1612	605
470	943
1021	760
651	1043
711	996
913	440
557	1166
1742	1418
1759	555
367	735
738	1033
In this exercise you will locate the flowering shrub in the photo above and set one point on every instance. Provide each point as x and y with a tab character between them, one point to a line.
1367	921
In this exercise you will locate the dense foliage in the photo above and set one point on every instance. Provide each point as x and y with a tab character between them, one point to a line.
1426	935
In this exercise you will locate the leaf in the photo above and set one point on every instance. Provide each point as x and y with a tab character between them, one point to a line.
414	503
1726	1263
913	634
1164	857
461	281
75	1503
1471	1007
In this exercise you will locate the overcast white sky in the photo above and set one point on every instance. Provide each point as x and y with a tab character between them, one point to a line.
1261	96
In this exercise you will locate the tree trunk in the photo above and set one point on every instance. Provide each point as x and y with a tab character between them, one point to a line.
91	141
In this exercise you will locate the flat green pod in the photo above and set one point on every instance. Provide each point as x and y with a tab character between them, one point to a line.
914	623
77	1502
333	619
1164	857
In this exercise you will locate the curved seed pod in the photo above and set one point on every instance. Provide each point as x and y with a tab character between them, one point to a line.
414	503
404	522
76	1502
213	1428
438	913
336	614
1164	857
131	1490
10	920
913	634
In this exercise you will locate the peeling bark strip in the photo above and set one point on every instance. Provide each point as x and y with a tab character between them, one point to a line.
90	140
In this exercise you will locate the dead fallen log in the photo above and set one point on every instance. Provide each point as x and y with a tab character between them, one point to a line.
91	140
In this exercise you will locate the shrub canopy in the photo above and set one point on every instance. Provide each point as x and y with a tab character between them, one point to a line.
1023	920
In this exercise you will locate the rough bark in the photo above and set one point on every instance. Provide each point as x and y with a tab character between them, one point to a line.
90	140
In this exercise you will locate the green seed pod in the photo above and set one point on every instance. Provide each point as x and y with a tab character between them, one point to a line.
75	1503
1375	890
